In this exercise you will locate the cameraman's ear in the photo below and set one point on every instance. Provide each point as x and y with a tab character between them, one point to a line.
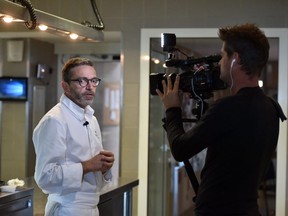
235	58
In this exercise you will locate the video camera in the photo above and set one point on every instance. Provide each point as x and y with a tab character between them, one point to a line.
199	76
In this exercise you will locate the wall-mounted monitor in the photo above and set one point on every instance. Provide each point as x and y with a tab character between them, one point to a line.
13	88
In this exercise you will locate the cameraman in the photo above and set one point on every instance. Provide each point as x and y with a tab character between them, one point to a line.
240	131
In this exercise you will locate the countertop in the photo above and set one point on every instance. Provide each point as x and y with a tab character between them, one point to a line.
118	186
114	188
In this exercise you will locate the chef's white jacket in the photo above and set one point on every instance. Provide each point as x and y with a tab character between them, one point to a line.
61	143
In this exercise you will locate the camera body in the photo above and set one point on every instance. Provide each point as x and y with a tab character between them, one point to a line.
198	76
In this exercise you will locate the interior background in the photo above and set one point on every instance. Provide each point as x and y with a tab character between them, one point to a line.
129	16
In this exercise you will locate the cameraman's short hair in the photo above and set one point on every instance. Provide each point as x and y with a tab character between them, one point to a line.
250	43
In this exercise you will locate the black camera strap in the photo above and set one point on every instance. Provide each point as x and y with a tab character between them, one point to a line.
279	109
192	177
188	167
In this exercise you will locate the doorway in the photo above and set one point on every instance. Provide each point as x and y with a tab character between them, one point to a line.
279	36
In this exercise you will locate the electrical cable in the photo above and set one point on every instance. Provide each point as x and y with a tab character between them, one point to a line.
197	96
231	76
33	23
101	25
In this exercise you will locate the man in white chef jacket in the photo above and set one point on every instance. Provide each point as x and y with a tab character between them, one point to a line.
71	164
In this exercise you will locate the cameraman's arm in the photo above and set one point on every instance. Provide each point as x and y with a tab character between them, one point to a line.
183	144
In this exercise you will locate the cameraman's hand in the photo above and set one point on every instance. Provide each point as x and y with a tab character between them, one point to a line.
170	96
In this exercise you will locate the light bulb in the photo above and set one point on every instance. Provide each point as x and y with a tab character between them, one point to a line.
7	19
156	61
73	36
43	27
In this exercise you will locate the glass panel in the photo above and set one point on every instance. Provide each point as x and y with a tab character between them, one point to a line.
169	188
156	161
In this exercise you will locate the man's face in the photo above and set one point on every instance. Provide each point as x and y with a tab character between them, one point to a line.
225	64
82	96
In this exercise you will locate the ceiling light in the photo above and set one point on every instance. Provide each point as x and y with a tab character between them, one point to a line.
156	61
146	57
56	25
73	36
7	19
43	27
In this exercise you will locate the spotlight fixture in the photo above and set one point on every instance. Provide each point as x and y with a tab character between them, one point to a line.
47	22
73	36
43	27
7	19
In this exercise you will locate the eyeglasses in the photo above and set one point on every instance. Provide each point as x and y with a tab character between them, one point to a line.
83	82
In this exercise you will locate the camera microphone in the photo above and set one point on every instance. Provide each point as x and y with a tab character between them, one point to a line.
85	123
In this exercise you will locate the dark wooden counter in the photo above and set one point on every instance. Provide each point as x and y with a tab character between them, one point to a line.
19	203
116	197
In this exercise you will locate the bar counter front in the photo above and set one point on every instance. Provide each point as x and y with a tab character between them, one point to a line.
115	199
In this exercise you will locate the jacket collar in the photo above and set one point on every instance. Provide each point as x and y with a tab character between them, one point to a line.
81	114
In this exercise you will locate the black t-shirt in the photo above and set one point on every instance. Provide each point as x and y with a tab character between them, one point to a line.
240	133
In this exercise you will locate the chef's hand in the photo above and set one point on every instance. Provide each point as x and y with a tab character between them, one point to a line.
100	162
108	160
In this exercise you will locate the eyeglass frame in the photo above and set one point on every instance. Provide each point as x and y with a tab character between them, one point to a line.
87	81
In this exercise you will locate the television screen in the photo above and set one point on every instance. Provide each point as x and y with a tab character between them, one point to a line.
13	88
